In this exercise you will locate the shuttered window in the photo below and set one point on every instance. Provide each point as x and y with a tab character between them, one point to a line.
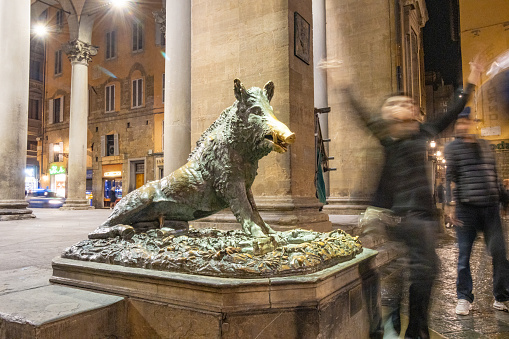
137	93
110	98
111	45
58	62
137	36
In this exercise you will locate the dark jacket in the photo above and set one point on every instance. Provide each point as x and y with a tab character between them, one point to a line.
404	186
472	167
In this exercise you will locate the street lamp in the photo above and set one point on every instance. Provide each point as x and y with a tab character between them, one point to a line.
432	144
41	30
119	3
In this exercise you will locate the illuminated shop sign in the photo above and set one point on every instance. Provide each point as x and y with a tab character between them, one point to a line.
113	174
500	146
56	170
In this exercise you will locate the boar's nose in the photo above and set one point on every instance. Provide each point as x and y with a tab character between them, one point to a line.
289	138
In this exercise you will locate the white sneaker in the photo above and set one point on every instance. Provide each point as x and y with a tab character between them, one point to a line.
463	307
501	305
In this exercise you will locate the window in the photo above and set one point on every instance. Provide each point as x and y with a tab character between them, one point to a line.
111	45
56	152
164	82
110	98
137	36
60	18
58	62
109	145
56	110
33	109
32	145
35	70
137	93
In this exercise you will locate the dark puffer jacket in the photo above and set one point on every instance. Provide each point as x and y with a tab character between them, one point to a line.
472	167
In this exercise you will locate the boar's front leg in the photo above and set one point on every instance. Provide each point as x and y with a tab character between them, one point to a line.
240	205
256	215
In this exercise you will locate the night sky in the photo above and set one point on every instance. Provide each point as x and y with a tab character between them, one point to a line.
441	54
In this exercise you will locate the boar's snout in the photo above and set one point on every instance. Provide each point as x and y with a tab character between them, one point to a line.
281	136
289	138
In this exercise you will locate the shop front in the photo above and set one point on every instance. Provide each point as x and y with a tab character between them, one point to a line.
31	181
58	178
112	184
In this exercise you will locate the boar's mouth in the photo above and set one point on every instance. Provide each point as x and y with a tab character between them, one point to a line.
278	143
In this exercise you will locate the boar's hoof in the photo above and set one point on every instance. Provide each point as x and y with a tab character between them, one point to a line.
124	231
256	231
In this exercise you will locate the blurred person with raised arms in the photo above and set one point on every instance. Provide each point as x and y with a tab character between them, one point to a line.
404	190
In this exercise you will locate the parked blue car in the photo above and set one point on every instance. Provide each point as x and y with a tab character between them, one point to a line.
44	199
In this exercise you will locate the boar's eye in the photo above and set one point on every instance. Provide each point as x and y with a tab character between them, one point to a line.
256	111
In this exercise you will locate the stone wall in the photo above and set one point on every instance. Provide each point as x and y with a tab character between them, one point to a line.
253	41
360	33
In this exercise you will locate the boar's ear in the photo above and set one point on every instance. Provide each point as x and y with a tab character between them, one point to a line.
240	90
269	90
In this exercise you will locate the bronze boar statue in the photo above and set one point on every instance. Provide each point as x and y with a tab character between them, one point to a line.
219	173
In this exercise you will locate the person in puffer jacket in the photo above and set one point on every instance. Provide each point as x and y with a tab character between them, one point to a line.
471	166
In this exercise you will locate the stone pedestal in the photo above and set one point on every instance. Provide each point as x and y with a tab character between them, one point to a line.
76	204
346	206
339	302
281	213
14	210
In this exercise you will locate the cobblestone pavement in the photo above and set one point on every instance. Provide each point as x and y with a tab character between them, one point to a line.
483	321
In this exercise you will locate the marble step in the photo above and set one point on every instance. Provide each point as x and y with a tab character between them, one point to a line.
54	311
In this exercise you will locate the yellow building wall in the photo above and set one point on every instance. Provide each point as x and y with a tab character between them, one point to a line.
139	129
485	27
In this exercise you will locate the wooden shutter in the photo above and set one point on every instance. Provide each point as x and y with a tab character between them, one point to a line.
113	44
50	111
51	155
158	34
61	154
106	99
112	98
62	109
115	138
103	145
108	45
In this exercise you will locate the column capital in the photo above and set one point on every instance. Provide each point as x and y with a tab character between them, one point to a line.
79	51
160	18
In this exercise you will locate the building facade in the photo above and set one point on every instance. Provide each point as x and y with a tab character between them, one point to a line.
485	27
126	85
125	93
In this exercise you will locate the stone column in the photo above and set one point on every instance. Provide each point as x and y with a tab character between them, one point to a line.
368	60
177	95
80	54
320	77
14	65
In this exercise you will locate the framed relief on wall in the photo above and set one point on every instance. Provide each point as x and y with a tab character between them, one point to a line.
301	38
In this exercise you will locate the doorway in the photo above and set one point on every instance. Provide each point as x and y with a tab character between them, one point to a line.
137	174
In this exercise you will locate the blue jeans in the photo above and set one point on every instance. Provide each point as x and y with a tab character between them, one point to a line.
486	220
